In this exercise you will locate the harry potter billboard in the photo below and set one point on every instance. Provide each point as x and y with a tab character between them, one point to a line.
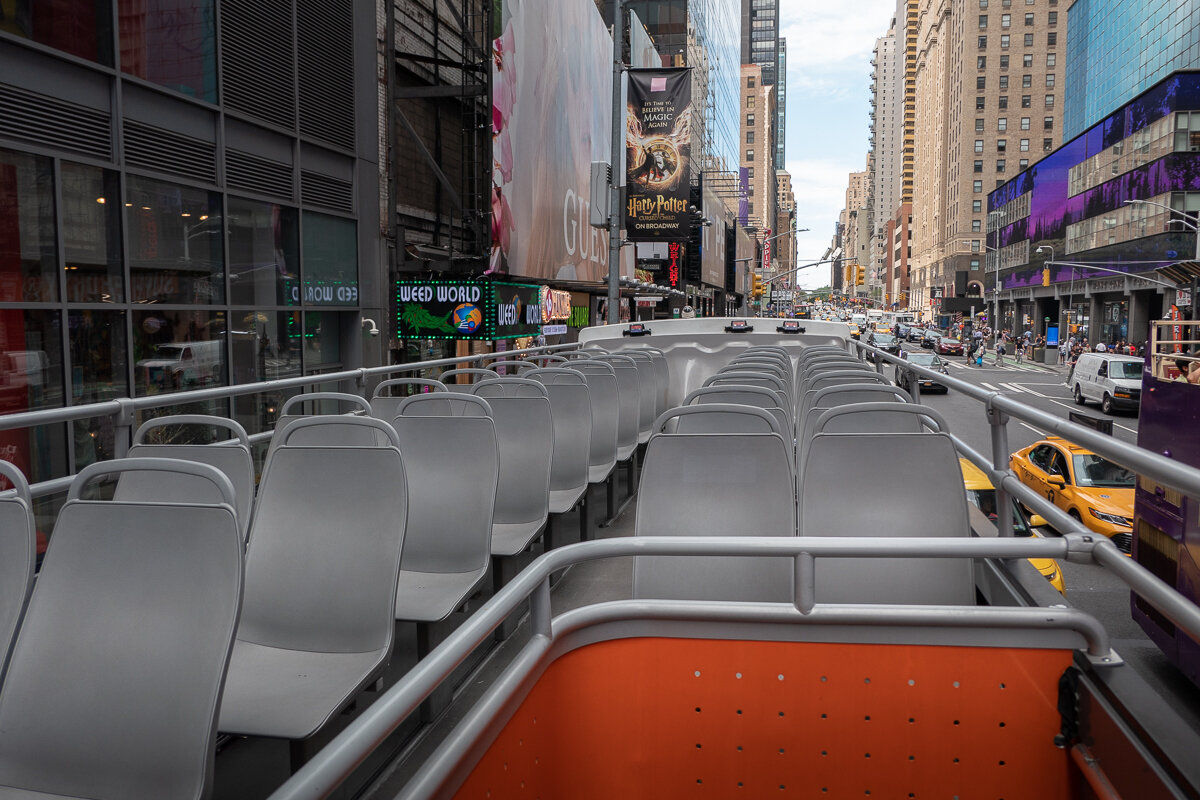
657	154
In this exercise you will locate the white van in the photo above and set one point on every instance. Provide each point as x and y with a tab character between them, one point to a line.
1113	381
860	320
183	365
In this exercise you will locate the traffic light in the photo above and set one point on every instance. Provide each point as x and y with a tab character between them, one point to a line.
860	276
756	286
1045	276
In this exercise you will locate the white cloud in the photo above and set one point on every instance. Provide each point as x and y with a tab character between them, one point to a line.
827	35
820	189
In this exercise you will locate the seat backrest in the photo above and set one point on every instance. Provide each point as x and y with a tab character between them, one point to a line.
720	418
327	518
756	365
648	386
116	675
746	378
450	378
718	485
814	384
516	366
662	378
928	502
525	433
452	491
385	406
629	398
845	394
571	408
757	396
317	436
443	405
601	380
829	365
549	360
18	551
232	458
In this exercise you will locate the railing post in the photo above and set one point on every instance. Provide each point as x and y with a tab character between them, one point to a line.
806	580
998	421
539	609
123	425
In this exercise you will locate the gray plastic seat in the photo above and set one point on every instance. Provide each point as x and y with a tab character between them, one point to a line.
447	541
474	374
601	379
519	366
838	464
757	396
18	552
719	418
629	403
748	378
115	678
845	377
324	435
879	413
232	458
525	432
549	360
321	574
706	484
648	386
571	408
385	406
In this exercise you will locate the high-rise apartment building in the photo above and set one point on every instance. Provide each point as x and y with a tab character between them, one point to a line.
989	103
886	147
760	36
785	204
758	147
781	105
1116	49
906	36
855	230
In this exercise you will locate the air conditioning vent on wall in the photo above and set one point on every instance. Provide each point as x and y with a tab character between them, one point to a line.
159	149
47	121
253	173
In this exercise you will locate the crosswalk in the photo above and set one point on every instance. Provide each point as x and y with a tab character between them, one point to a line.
990	364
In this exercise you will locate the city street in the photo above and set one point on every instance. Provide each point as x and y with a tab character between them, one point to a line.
1088	587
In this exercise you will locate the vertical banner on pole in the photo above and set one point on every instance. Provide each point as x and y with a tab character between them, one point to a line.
658	151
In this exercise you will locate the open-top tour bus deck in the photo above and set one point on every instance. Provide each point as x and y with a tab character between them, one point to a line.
450	616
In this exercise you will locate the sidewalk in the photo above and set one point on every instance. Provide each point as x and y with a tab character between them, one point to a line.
989	360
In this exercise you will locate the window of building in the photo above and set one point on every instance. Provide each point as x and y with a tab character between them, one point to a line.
1050	59
1053	17
975	227
1049	80
1003	62
983	3
750	173
88	35
978	166
1052	39
329	251
175	243
1029	40
982	21
1024	123
91	223
1027	60
1001	145
1002	124
1003	81
1047	123
1002	103
1024	145
1023	163
749	155
979	104
749	137
1005	20
978	125
750	82
1026	101
977	186
262	234
1026	81
983	43
28	251
974	264
981	82
974	245
1004	39
981	62
976	206
1028	20
749	119
1001	163
1049	101
979	145
171	45
1047	145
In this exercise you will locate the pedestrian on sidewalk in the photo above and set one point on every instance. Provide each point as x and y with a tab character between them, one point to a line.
999	350
1062	354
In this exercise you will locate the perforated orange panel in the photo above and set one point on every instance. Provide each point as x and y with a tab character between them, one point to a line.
667	718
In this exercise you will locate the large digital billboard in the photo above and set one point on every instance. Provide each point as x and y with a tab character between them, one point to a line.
551	106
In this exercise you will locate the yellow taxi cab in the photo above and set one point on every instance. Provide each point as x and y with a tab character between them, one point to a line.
854	332
1090	488
982	495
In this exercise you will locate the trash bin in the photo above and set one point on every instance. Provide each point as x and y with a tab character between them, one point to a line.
1100	424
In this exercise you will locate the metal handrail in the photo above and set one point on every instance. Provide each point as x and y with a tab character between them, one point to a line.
124	410
350	748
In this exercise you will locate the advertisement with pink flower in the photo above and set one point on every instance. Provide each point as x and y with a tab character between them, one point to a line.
551	94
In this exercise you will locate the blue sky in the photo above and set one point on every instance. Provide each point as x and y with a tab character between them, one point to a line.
828	91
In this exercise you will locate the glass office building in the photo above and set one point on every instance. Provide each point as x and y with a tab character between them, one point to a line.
1117	49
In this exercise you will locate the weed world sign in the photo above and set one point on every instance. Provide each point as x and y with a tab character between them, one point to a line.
478	310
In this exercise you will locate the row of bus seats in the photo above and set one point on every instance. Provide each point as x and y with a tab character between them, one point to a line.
823	446
191	604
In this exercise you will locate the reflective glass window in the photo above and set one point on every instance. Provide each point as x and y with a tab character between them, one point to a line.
91	220
98	373
172	43
28	260
177	350
267	345
174	243
82	28
31	371
264	254
330	253
322	345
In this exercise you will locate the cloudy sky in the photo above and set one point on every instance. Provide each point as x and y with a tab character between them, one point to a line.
829	47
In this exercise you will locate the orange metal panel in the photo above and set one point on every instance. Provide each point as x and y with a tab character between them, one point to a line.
667	718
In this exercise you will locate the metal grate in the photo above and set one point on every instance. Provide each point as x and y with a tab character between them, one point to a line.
258	56
256	174
321	190
159	149
47	121
325	37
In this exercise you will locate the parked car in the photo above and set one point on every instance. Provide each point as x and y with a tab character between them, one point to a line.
1112	380
907	379
1093	490
948	345
930	337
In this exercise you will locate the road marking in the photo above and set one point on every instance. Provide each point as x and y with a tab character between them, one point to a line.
1012	387
1035	430
988	385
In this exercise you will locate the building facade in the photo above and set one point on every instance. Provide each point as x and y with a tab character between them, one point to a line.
760	36
885	147
784	250
1074	254
1116	49
758	148
781	105
185	205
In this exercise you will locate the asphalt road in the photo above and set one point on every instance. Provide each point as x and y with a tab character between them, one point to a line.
1089	588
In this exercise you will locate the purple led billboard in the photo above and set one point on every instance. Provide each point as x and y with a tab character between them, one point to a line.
1051	210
